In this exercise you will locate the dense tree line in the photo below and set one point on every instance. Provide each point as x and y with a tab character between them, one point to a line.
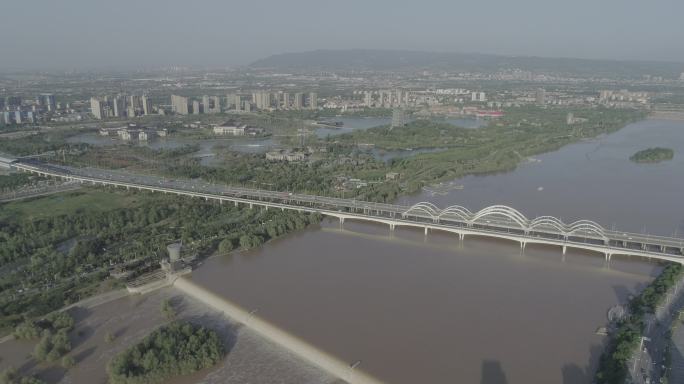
54	322
652	155
15	180
625	339
11	376
53	332
50	278
178	348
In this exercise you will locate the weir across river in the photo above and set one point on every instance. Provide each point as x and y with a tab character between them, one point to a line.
497	221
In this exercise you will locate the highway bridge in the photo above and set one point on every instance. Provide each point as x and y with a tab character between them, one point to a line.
497	221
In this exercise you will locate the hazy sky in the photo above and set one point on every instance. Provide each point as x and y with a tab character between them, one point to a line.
63	34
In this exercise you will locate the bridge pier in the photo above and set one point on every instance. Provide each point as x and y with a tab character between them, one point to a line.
391	227
565	248
608	255
236	203
522	245
426	231
251	205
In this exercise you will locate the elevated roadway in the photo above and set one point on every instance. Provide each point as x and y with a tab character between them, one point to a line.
496	221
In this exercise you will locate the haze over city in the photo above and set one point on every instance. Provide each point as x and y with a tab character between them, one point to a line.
341	192
80	34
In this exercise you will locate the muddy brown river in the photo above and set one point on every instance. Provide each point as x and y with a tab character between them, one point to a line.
416	309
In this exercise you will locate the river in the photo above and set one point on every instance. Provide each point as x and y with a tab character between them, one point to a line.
350	124
208	148
416	309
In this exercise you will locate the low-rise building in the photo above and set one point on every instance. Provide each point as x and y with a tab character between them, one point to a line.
284	155
230	129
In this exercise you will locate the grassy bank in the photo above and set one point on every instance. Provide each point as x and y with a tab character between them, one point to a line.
624	340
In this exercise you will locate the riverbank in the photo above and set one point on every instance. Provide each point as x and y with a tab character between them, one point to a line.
306	351
628	335
250	358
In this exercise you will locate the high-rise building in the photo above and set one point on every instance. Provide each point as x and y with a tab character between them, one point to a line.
118	106
540	96
47	100
206	108
97	108
195	107
7	117
286	100
298	101
134	101
216	104
232	101
179	104
262	100
147	105
398	118
237	101
313	100
368	99
17	117
12	101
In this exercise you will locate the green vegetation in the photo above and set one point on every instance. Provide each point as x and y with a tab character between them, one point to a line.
53	331
54	322
175	349
59	249
15	180
10	376
167	309
653	155
625	339
109	338
68	362
40	143
91	202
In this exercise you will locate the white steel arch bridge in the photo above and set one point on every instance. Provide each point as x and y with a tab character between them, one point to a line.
498	221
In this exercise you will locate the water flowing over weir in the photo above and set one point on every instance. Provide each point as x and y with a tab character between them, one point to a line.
305	351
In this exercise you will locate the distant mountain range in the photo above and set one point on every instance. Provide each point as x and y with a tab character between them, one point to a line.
389	60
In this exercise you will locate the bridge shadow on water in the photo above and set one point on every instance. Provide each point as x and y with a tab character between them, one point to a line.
574	374
492	373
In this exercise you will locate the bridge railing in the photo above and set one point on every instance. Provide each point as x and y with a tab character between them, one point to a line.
501	220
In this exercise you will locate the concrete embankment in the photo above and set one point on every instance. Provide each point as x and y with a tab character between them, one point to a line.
307	352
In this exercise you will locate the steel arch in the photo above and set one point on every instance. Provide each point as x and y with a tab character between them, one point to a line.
504	211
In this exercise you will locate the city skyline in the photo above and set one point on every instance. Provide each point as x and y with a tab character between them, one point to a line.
145	37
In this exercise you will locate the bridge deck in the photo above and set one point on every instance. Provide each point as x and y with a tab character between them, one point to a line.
495	221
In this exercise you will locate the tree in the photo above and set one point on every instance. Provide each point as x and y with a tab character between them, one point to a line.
68	362
10	376
167	309
246	241
108	337
226	245
175	349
